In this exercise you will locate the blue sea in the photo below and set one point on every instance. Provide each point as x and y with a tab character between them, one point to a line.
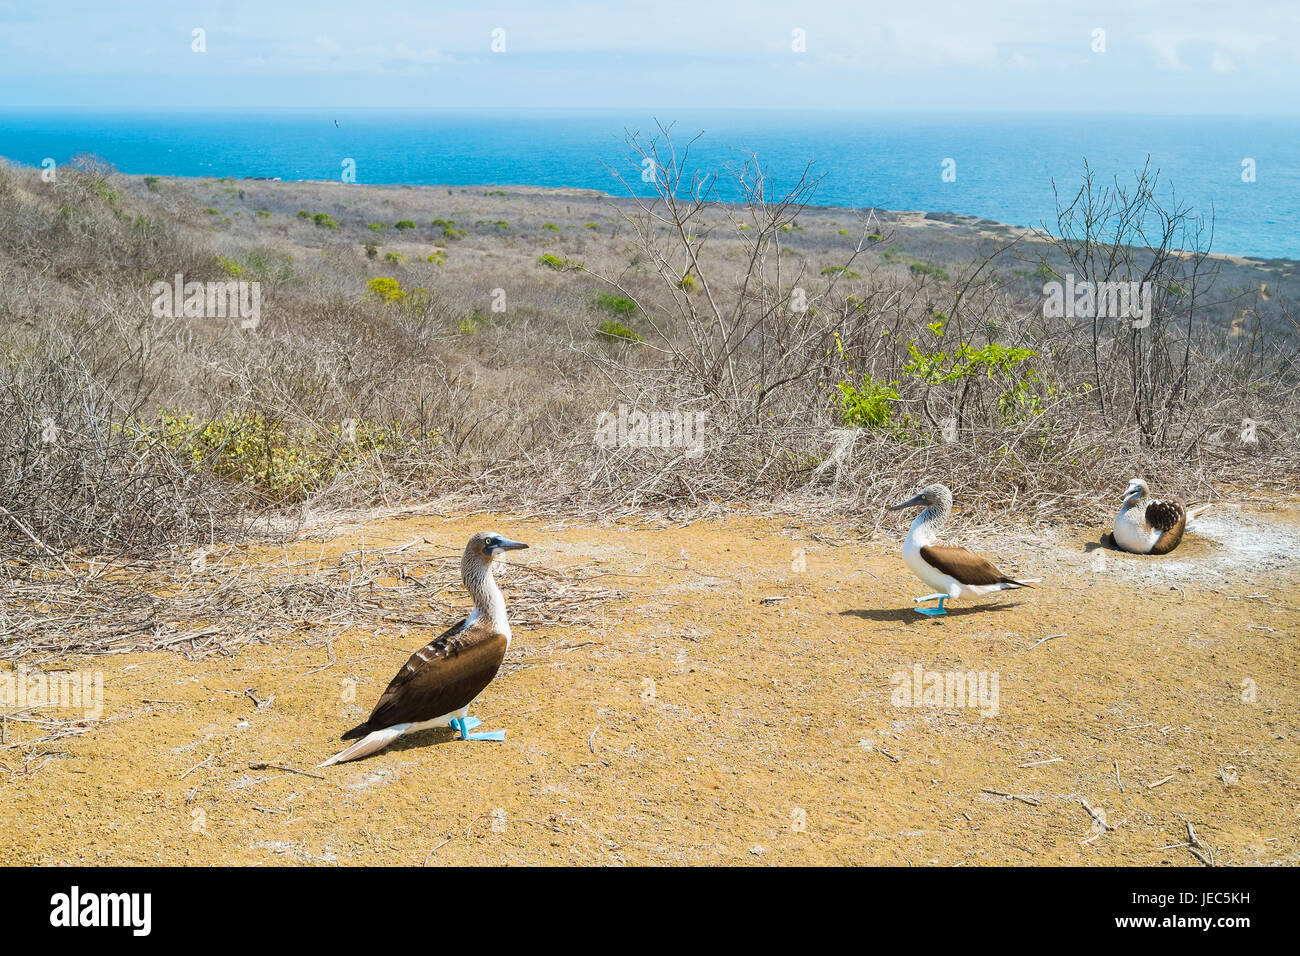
1005	163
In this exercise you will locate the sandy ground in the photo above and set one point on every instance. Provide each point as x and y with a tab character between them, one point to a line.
699	724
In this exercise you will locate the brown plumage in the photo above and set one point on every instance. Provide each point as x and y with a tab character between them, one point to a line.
438	682
440	678
1147	525
1169	517
966	566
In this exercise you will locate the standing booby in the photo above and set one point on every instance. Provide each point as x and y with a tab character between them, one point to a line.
439	682
954	572
1151	525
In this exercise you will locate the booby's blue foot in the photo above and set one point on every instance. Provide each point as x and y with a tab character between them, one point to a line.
465	724
933	611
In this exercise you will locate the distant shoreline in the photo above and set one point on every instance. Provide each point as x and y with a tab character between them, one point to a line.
584	192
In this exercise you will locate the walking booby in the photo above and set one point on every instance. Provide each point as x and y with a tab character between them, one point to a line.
439	682
1151	525
953	572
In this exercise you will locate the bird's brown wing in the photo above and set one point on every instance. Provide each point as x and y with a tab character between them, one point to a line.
964	566
441	677
1169	517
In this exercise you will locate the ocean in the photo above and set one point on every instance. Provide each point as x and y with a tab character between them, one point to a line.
1000	165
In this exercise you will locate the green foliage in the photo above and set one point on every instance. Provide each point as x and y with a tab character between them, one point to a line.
841	271
377	226
612	331
473	322
212	212
303	214
687	283
230	267
558	264
875	237
868	405
617	304
372	249
271	265
387	289
404	224
593	225
925	269
151	183
437	257
279	463
325	220
551	226
262	214
396	258
967	365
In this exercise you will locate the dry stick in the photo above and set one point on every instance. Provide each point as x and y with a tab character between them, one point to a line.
1117	779
1039	763
1050	637
1096	815
1195	845
263	765
1023	797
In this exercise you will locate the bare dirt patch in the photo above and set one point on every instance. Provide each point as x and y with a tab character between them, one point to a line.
733	706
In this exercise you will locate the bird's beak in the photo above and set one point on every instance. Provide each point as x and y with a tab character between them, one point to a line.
913	502
508	545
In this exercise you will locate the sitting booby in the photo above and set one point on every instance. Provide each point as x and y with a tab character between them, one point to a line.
1151	525
439	682
953	572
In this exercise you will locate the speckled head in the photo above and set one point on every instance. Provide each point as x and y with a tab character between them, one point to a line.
1137	488
934	497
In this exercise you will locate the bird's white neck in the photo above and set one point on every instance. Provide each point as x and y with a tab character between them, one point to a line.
488	599
925	528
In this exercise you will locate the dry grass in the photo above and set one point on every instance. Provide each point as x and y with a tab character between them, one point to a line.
509	402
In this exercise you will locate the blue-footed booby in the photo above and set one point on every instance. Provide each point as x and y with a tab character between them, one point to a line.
439	682
953	572
1148	525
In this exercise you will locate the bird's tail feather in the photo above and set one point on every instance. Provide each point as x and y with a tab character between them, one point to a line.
1198	511
1013	583
373	742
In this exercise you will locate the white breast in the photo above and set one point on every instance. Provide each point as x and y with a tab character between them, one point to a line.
1132	533
922	568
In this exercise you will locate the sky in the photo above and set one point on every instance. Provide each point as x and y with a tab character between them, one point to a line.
1154	57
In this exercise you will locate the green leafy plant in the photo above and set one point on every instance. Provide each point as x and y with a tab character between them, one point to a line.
868	405
387	289
925	269
612	331
617	304
558	264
